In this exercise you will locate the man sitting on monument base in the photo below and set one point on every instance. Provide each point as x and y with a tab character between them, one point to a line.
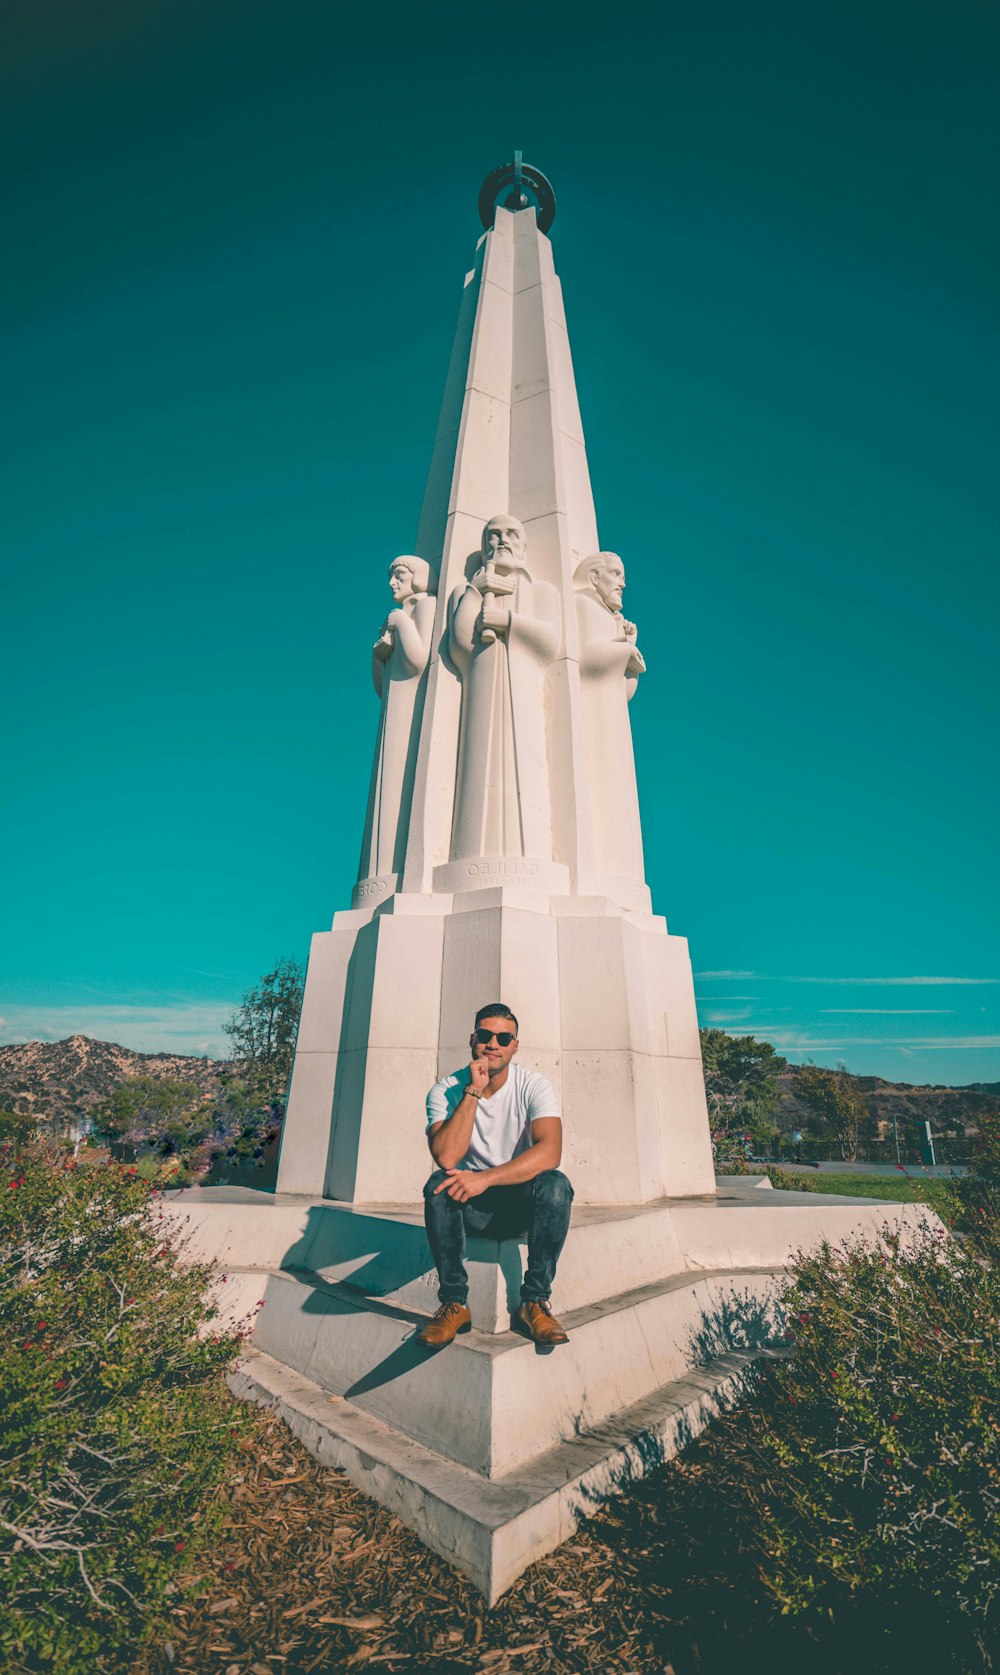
495	1133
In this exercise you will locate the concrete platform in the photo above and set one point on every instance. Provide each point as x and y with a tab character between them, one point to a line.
380	1250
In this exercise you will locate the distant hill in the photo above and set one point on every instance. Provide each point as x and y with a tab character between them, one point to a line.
954	1111
62	1081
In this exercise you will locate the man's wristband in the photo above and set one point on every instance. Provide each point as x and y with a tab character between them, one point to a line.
470	1095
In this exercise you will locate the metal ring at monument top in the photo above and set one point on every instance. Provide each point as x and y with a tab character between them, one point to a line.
528	187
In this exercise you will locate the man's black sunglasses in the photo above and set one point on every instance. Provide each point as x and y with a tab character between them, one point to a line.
502	1037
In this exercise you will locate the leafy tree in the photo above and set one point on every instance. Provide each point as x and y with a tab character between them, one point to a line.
263	1028
836	1102
156	1113
741	1084
245	1121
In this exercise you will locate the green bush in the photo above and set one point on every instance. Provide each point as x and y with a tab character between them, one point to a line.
117	1424
179	1135
867	1468
17	1126
986	1148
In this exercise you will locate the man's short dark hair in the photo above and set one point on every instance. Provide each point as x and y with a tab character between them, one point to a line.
496	1009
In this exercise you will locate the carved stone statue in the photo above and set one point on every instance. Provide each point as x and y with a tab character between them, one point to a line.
503	632
399	659
610	666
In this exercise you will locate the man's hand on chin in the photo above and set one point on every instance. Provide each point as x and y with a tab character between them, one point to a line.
463	1183
479	1075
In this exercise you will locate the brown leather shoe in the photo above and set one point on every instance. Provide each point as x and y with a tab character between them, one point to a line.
450	1319
542	1324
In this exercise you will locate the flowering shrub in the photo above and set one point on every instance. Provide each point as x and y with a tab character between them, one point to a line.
868	1466
117	1426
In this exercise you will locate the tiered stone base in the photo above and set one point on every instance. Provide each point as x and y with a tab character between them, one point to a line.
491	1529
490	1451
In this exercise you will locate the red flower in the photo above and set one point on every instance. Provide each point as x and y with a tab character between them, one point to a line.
60	1384
231	1565
178	1546
26	1344
41	1326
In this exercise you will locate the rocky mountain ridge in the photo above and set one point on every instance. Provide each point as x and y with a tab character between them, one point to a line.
62	1082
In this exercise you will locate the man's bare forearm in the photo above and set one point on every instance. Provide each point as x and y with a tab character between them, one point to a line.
544	1154
451	1142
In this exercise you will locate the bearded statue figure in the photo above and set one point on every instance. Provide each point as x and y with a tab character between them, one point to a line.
399	661
503	633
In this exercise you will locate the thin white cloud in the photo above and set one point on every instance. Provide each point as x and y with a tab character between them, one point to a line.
880	982
193	1028
886	1012
725	974
796	1041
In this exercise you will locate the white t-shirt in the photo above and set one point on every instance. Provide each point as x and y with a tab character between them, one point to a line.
503	1122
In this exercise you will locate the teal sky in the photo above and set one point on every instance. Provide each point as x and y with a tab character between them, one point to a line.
235	241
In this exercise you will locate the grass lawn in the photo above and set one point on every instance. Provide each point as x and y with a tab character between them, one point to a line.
898	1189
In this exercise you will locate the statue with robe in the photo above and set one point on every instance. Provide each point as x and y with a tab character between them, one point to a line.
399	661
503	634
610	666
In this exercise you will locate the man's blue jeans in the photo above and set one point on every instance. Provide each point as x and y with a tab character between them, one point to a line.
539	1208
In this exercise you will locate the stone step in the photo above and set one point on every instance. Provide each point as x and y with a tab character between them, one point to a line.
491	1401
492	1529
382	1252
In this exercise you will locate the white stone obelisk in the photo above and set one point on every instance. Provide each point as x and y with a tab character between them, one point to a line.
503	850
